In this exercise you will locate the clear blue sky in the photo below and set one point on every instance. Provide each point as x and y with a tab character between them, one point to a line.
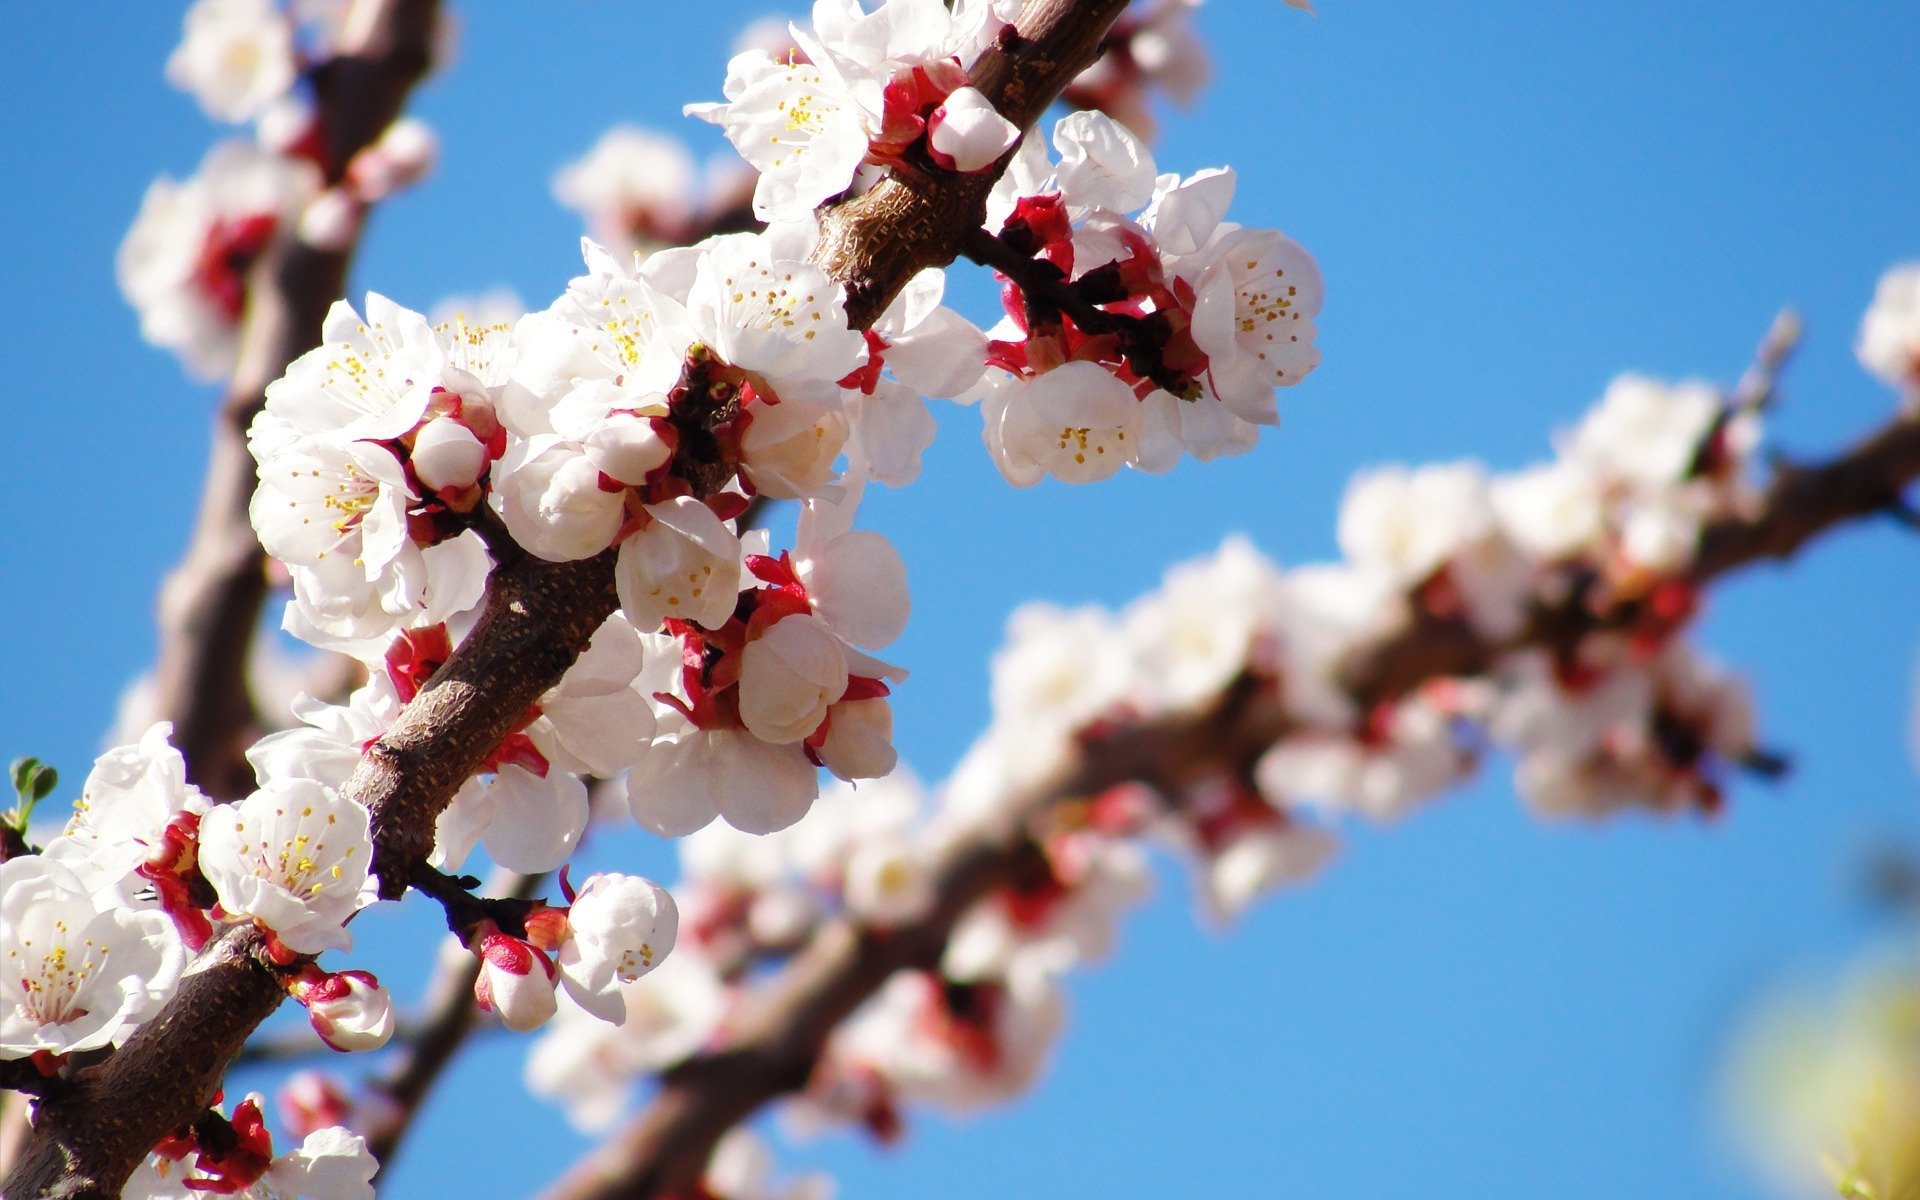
1511	201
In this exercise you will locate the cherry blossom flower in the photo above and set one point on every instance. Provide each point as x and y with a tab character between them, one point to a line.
236	57
917	348
634	188
293	856
329	1164
77	975
184	263
136	809
517	980
621	927
1157	48
864	87
591	1066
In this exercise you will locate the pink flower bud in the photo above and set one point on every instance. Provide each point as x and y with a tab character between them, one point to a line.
447	455
547	927
516	981
349	1009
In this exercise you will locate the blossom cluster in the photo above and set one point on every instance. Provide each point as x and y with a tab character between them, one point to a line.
186	262
1584	676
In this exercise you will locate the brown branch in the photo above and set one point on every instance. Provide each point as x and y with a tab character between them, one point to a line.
211	603
537	618
773	1049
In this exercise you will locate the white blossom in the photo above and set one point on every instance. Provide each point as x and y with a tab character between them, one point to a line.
1889	343
131	797
622	927
236	57
76	976
634	188
294	857
184	263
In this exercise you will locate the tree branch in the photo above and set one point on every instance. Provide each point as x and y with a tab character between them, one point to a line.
211	603
774	1047
537	619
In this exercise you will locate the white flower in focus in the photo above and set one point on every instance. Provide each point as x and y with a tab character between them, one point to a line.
782	320
548	492
859	742
75	976
967	133
611	329
335	607
323	496
330	1164
120	821
1889	344
788	450
294	857
622	927
327	744
1257	295
1077	423
687	778
350	1010
805	136
1102	164
788	677
684	563
235	57
370	379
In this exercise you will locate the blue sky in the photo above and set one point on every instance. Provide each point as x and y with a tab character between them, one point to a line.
1511	201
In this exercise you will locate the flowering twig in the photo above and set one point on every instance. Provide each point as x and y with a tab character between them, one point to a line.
211	602
773	1048
538	617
